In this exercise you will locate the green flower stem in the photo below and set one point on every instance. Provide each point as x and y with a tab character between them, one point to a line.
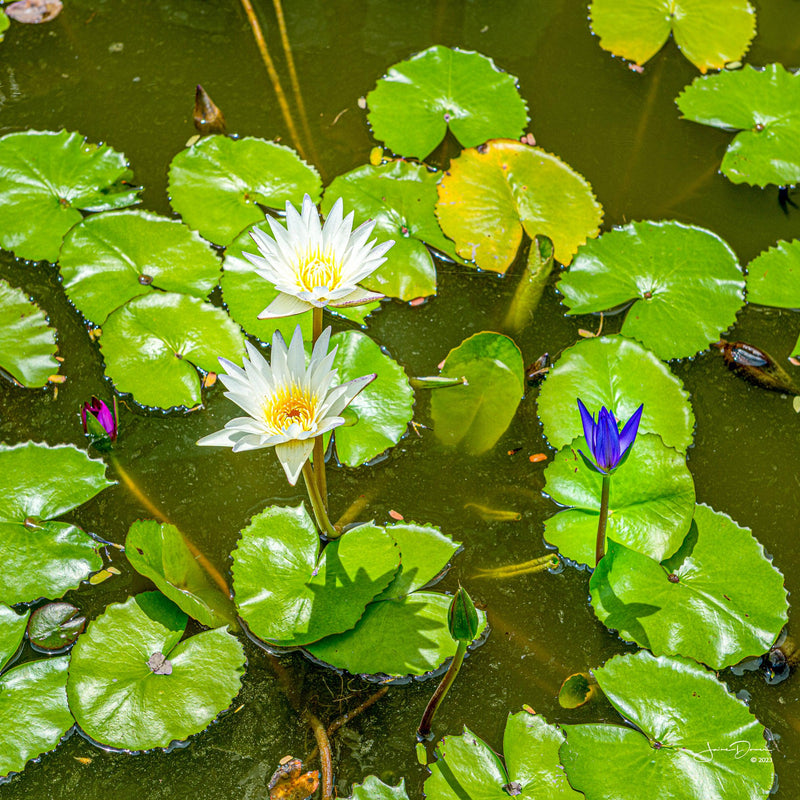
319	445
320	514
424	730
600	549
159	515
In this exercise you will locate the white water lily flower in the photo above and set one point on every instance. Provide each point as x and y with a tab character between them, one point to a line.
312	265
288	403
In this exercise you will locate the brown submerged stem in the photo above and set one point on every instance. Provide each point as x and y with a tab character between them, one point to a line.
424	730
326	761
258	35
145	501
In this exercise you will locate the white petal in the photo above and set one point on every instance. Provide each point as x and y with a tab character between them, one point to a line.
293	455
343	395
284	305
357	297
296	361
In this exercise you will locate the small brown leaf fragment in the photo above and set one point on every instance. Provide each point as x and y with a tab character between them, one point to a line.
82	760
209	380
514	788
289	782
396	515
536	457
57	378
795	362
207	116
34	11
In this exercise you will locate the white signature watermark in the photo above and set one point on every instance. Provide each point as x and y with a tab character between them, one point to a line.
739	749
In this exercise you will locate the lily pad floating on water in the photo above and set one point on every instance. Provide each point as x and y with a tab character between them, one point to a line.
383	409
404	631
220	185
41	557
414	105
289	594
247	294
651	501
123	699
401	198
492	193
55	626
476	414
710	33
12	632
692	738
773	278
47	179
763	105
34	710
684	283
621	375
109	259
159	552
27	342
718	600
466	766
152	345
374	788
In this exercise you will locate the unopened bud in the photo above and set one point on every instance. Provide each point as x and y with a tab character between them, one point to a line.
462	618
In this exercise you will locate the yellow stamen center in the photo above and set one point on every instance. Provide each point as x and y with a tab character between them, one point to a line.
290	404
318	268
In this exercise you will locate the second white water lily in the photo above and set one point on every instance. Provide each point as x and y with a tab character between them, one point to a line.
313	266
288	403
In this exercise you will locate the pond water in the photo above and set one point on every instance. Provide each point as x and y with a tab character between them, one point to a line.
124	73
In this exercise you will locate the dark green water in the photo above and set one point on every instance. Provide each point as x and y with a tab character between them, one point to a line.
124	72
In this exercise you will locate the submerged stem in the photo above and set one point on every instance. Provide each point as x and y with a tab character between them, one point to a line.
326	761
600	549
198	554
320	513
424	729
258	35
531	284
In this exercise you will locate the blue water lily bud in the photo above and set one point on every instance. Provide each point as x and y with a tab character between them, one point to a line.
608	448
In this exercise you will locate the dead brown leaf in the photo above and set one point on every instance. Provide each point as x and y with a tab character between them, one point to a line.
34	11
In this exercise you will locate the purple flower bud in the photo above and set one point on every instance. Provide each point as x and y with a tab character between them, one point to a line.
607	446
99	423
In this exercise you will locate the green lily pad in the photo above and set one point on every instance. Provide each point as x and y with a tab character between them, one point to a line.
692	738
160	552
221	185
46	179
621	375
5	22
414	105
650	507
399	637
580	688
247	294
424	553
109	259
152	345
403	631
401	197
375	789
12	632
34	710
134	685
289	594
685	282
466	766
718	600
55	626
763	105
710	33
773	279
43	558
491	194
475	415
384	408
27	342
